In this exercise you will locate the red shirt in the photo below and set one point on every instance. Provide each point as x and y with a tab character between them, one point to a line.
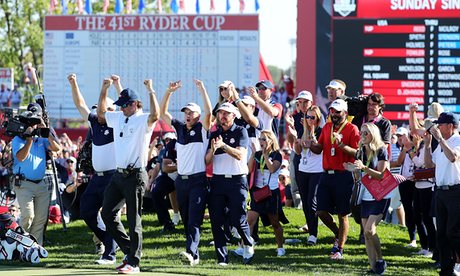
350	134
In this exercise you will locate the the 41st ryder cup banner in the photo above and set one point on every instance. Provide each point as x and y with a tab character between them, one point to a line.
165	48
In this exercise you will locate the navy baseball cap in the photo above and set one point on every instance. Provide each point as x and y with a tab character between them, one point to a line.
35	108
268	84
447	118
127	95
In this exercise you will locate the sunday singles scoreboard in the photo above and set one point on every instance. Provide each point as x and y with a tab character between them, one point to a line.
165	48
409	51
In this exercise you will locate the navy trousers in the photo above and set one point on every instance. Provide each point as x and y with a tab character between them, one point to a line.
308	186
91	202
164	185
231	193
192	197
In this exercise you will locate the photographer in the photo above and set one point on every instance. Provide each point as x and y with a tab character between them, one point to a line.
33	194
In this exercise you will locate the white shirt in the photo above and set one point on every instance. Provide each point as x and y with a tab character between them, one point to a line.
419	162
310	162
132	146
446	172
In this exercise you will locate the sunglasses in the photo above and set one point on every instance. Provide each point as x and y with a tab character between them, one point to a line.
310	117
281	177
126	104
222	89
263	139
261	87
70	161
363	133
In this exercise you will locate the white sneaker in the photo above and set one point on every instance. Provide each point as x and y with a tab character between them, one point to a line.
129	269
103	261
176	219
425	253
312	240
280	252
304	228
239	252
188	258
223	264
248	253
457	269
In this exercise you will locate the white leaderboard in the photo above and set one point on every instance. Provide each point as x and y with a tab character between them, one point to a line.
165	48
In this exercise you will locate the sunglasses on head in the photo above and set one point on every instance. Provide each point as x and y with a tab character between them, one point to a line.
126	104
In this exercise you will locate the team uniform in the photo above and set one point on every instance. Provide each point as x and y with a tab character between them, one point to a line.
164	185
104	166
310	170
131	137
191	182
229	188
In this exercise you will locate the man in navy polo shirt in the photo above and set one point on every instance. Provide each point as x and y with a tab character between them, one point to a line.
227	151
102	147
191	182
132	130
338	143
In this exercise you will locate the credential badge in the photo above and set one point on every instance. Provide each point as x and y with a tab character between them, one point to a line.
344	7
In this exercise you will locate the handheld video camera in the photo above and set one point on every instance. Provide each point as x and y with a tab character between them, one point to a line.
16	124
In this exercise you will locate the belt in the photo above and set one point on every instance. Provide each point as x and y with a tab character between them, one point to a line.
333	171
448	187
228	175
126	171
195	175
104	173
33	181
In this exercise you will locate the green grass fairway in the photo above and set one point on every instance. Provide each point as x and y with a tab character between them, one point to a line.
74	250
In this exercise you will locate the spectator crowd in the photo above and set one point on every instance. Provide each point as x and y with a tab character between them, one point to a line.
258	150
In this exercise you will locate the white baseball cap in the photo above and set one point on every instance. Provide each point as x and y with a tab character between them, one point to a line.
304	94
170	135
402	131
336	85
225	83
248	100
192	107
230	108
339	105
284	172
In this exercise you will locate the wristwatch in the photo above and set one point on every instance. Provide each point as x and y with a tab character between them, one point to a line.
225	148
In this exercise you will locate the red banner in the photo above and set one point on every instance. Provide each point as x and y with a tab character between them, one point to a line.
152	23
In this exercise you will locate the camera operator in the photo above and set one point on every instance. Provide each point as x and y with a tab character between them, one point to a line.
33	194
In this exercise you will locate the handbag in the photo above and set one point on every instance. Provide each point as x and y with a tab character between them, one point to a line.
420	174
260	194
380	188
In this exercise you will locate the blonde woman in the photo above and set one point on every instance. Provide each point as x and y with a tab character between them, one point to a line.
310	170
266	164
372	160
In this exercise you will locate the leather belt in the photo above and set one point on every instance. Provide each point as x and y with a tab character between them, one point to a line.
229	175
195	175
333	171
126	171
105	173
33	181
448	187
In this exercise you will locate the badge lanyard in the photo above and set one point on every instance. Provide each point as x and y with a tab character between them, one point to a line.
333	138
261	167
